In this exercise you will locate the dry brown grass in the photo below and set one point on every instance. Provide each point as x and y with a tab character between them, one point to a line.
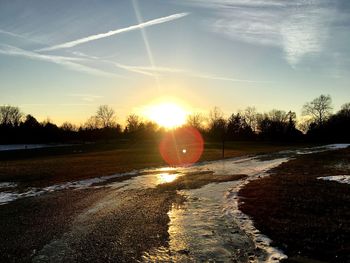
306	217
54	168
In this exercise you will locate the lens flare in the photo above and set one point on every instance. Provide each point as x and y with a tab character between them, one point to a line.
182	147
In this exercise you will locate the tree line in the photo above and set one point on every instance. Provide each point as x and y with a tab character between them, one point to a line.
320	124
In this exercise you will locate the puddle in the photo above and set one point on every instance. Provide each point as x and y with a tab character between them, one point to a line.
210	226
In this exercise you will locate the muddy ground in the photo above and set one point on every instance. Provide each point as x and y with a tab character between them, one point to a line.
309	219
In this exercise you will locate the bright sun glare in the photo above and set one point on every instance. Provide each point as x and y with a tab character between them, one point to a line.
168	115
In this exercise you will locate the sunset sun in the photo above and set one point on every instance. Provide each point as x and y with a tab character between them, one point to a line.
167	114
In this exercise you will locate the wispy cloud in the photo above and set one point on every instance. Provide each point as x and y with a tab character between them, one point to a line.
158	70
68	62
214	77
115	32
299	27
134	69
12	34
51	104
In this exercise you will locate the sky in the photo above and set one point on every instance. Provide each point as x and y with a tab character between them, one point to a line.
62	59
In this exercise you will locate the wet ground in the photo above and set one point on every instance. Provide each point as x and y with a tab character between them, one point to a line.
304	206
167	214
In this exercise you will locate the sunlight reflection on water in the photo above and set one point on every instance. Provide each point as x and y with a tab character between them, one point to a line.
204	227
167	178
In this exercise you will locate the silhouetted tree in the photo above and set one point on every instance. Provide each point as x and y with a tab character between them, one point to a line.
91	123
105	116
319	109
69	127
133	123
238	129
250	116
31	123
195	120
278	125
151	130
345	110
10	116
335	129
217	127
217	124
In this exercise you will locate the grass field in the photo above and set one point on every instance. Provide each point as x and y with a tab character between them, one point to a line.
41	167
306	217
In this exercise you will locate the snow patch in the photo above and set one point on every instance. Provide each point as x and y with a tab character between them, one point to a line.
7	185
7	197
343	179
246	224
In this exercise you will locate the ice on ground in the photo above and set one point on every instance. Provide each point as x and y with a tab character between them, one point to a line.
148	178
7	197
323	148
245	223
209	224
7	185
344	179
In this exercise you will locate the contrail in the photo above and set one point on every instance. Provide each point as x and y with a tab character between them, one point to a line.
145	40
68	62
114	32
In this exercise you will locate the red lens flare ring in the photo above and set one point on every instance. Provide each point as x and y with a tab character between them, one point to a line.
181	147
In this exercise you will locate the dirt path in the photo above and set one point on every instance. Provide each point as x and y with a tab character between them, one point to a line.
92	225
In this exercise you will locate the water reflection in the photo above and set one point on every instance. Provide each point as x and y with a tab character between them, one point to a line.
208	228
167	177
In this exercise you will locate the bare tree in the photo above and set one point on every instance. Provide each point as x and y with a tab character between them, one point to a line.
69	127
319	109
91	123
215	115
195	120
304	124
133	123
278	115
217	123
105	116
10	115
250	116
218	126
345	109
